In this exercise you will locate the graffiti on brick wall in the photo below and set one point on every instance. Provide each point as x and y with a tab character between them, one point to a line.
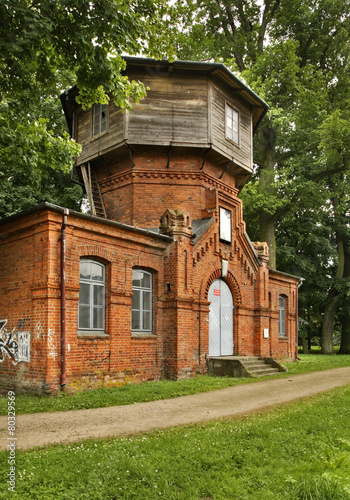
38	331
8	344
15	342
51	343
96	354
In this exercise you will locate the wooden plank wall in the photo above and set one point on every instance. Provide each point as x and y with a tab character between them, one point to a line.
242	153
182	107
174	111
113	135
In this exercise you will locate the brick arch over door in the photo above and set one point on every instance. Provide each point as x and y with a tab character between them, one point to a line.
231	282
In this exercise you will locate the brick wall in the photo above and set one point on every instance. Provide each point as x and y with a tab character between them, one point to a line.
139	193
182	269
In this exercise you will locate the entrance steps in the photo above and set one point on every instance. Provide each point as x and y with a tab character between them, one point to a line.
244	366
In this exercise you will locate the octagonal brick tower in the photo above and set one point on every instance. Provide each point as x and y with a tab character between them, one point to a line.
184	146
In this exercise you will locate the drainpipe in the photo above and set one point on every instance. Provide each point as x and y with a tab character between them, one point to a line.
63	296
297	318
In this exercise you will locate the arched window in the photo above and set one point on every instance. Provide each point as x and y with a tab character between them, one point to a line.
91	314
282	316
141	314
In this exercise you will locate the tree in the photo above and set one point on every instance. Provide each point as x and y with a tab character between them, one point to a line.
47	46
335	153
296	56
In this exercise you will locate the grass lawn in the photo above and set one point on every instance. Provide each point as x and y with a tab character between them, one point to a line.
300	451
150	391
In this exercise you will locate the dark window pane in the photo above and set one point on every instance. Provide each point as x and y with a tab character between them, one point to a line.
136	278
98	295
98	319
147	301
84	294
146	320
96	130
84	317
135	320
146	280
103	117
96	272
85	270
136	299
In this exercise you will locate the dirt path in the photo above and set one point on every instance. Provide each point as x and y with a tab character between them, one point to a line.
66	427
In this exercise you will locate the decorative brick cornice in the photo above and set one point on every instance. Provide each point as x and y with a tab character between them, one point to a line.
131	175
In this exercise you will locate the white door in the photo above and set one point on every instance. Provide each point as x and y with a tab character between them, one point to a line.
220	319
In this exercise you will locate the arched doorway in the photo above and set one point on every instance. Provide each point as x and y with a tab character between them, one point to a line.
220	319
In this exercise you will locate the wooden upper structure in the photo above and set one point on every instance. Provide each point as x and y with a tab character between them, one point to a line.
186	107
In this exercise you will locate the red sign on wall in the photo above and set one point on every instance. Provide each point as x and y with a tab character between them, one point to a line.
217	292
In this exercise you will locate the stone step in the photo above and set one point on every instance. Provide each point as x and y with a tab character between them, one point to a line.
255	364
236	366
259	367
265	371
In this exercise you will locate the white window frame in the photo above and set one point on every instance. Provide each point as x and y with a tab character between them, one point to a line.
99	119
92	306
142	291
231	124
282	316
225	225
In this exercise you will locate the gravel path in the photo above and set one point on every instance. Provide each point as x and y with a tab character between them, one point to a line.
41	429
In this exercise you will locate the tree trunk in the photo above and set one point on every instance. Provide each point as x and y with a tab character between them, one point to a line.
267	233
330	309
305	345
345	334
267	161
333	297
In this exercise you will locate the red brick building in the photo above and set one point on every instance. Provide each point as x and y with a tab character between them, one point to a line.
163	275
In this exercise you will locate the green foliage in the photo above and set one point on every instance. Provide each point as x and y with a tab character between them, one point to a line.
46	47
82	37
334	141
35	161
289	453
295	55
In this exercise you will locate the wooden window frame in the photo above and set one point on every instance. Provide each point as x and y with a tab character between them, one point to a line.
103	108
229	136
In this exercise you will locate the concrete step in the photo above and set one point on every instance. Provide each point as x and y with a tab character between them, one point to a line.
255	365
236	366
259	367
264	372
